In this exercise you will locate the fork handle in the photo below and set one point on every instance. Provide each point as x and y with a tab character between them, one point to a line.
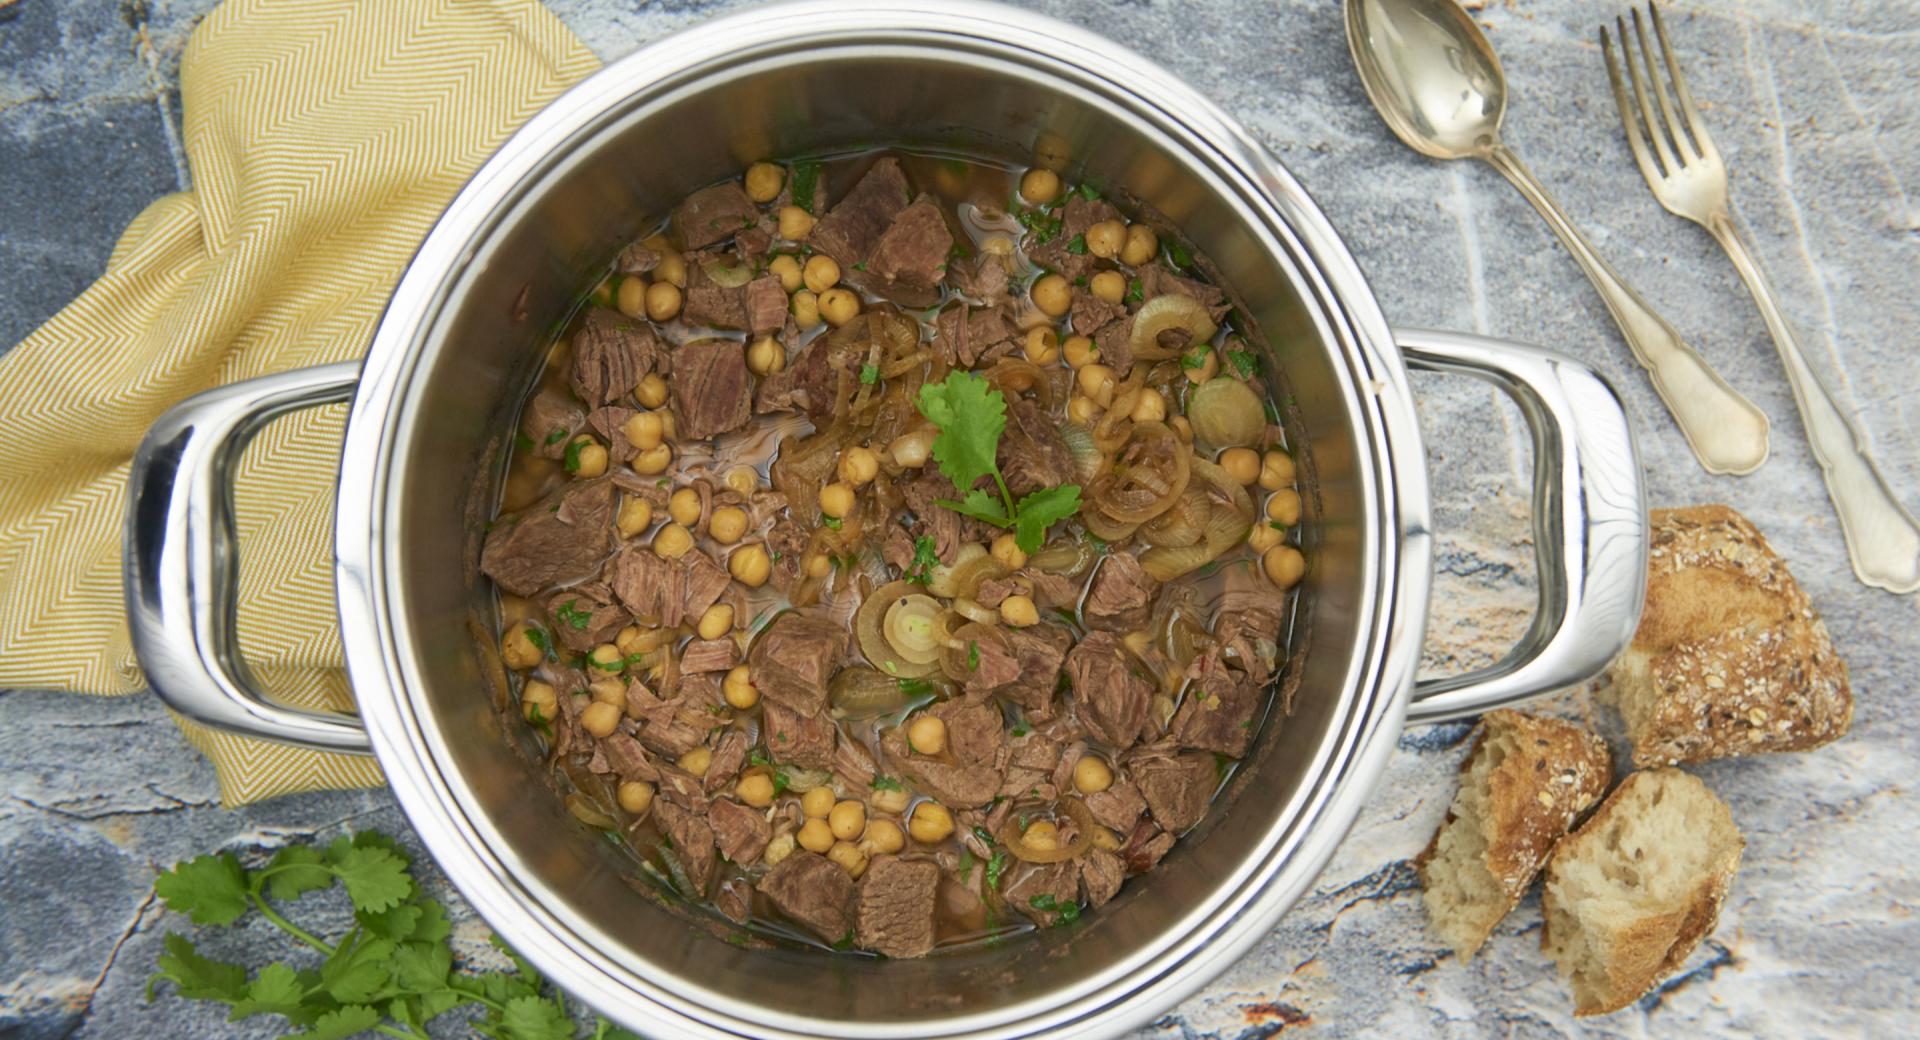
1883	539
1727	433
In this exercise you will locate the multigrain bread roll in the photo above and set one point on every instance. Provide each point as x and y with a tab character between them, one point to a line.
1730	658
1631	893
1523	784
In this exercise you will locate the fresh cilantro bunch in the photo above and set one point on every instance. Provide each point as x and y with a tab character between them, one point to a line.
389	974
971	416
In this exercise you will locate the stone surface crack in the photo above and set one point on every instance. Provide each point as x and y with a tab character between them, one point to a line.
113	955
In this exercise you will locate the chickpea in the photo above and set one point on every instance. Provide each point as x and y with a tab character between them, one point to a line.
517	650
684	507
609	691
795	223
848	819
787	269
652	390
636	640
631	298
607	658
1019	611
1082	410
884	837
1140	246
817	803
806	309
1276	470
998	245
1051	294
538	701
717	621
1284	506
672	542
653	461
764	181
836	500
696	761
1242	464
838	306
727	524
927	734
586	458
635	796
750	565
1006	549
1095	381
1105	239
663	301
848	858
766	356
1110	286
738	688
635	516
1263	537
1042	836
1208	367
755	789
888	800
1104	839
1151	407
600	719
858	465
911	450
821	273
672	270
1039	186
1042	345
930	823
743	479
1079	351
819	565
815	835
1284	565
1091	775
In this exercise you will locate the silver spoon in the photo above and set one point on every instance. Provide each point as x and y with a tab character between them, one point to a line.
1435	80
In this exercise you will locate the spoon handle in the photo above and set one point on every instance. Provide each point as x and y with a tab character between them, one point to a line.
1726	431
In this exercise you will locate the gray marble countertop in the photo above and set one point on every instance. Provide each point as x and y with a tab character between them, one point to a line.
1814	105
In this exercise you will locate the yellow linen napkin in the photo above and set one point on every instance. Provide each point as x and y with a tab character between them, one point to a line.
323	137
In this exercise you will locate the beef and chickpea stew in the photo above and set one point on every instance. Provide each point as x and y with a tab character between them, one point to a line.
896	551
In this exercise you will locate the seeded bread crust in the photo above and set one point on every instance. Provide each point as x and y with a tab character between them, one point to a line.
1523	784
1730	657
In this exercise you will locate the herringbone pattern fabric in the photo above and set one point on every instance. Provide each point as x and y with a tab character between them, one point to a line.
324	137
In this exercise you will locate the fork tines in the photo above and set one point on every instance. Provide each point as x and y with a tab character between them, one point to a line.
1684	140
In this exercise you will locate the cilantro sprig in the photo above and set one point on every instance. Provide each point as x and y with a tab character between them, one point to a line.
971	416
925	559
390	973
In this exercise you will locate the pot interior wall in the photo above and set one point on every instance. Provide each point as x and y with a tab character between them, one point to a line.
635	164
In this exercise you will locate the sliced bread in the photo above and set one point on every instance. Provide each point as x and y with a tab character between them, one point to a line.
1631	893
1523	784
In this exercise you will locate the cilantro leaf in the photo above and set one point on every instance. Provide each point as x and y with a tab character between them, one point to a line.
980	505
1078	246
422	966
351	1020
869	374
534	1018
920	569
569	613
277	990
376	878
358	968
197	977
297	870
1245	362
971	416
571	460
208	889
1041	510
886	783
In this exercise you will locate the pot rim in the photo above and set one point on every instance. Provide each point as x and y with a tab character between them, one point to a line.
1395	552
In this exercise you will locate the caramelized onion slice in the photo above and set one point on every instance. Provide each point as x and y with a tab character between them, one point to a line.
590	814
877	625
1226	413
1083	826
1150	476
1162	314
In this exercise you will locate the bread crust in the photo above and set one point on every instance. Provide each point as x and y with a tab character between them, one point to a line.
1730	657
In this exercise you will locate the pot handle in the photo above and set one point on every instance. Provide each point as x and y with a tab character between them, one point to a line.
181	560
1589	522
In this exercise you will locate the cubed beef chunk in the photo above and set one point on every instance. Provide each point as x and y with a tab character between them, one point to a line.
709	655
794	657
894	910
741	832
681	788
628	758
803	740
1247	642
585	615
714	214
550	420
1118	807
967	336
610	424
611	354
636	259
666	592
966	786
734	900
983	279
1217	714
912	252
854	765
560	538
1040	652
849	231
1177	789
1121	596
1057	252
729	754
692	843
712	305
1090	313
1054	591
814	892
711	393
990	657
1113	344
1145	847
1156	280
1113	699
975	732
1101	874
766	305
1051	886
1033	455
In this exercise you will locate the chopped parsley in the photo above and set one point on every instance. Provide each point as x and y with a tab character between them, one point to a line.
1044	226
913	687
781	781
559	434
1081	281
758	757
966	865
996	870
920	569
1195	360
1222	764
1135	294
572	461
522	442
1021	729
869	374
539	720
958	252
973	655
1078	245
540	642
570	614
845	942
861	266
831	523
1044	901
806	183
886	783
1177	254
1245	362
1087	191
1277	525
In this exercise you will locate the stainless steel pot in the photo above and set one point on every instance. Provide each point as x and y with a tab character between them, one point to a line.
459	346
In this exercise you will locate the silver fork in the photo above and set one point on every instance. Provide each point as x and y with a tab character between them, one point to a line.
1686	175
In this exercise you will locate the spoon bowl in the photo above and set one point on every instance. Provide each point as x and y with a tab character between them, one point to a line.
1431	73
